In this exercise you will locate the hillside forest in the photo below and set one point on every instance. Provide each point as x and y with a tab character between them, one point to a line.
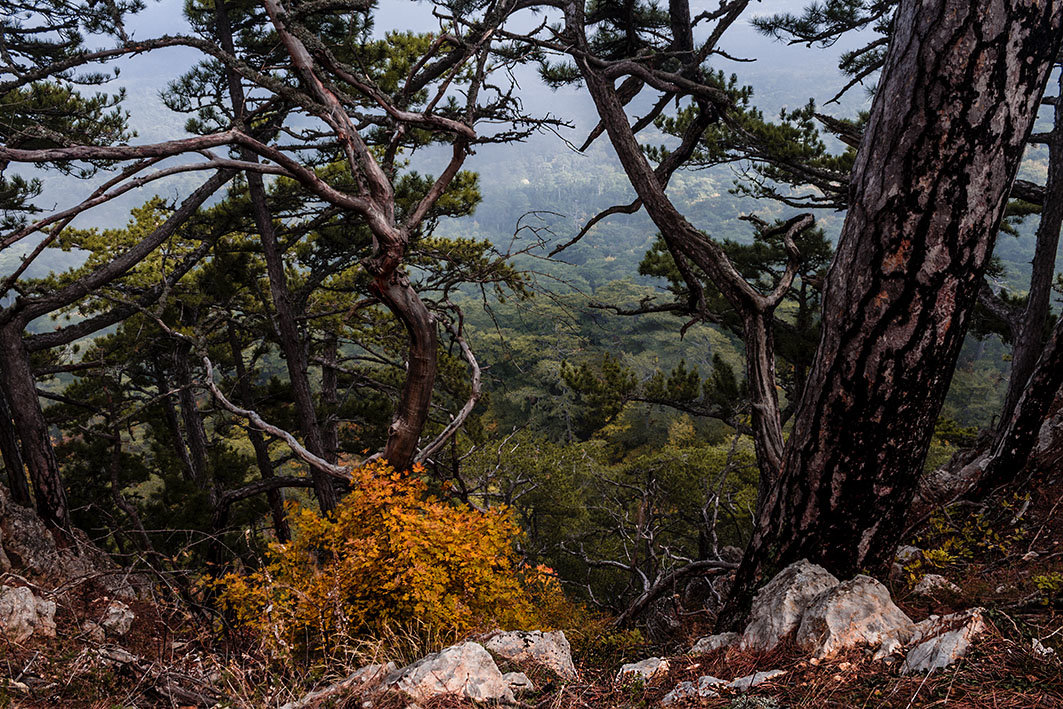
337	332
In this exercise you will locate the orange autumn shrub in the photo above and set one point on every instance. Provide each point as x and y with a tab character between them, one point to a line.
390	556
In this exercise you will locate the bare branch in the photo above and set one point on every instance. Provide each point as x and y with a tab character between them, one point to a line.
338	471
474	396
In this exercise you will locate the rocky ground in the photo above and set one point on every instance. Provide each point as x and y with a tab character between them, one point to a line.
970	617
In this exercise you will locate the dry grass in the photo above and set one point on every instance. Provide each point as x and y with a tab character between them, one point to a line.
1002	671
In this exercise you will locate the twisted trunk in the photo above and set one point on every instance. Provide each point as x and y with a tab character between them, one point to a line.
684	240
411	411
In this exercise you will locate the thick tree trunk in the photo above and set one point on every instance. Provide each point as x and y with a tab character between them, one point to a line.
1032	328
954	107
16	470
411	411
258	442
20	388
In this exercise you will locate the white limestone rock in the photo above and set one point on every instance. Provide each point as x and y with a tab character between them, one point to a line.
857	612
707	685
645	670
551	650
95	633
932	585
22	614
518	682
940	641
117	618
705	688
683	690
1040	649
709	643
779	605
466	670
744	684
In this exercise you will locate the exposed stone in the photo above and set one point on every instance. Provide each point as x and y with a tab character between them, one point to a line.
714	642
940	641
744	684
935	584
551	650
466	670
1040	649
371	673
117	618
112	655
707	683
854	613
705	688
779	605
518	682
94	631
751	701
29	547
362	681
645	670
907	554
23	614
683	690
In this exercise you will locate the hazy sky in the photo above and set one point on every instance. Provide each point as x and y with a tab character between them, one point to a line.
781	75
778	72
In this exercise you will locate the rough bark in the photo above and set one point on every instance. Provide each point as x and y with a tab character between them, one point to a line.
21	389
12	456
947	128
411	411
1029	343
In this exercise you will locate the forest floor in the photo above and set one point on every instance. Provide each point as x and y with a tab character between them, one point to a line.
1006	557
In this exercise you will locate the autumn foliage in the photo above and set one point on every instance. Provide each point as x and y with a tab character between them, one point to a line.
392	555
